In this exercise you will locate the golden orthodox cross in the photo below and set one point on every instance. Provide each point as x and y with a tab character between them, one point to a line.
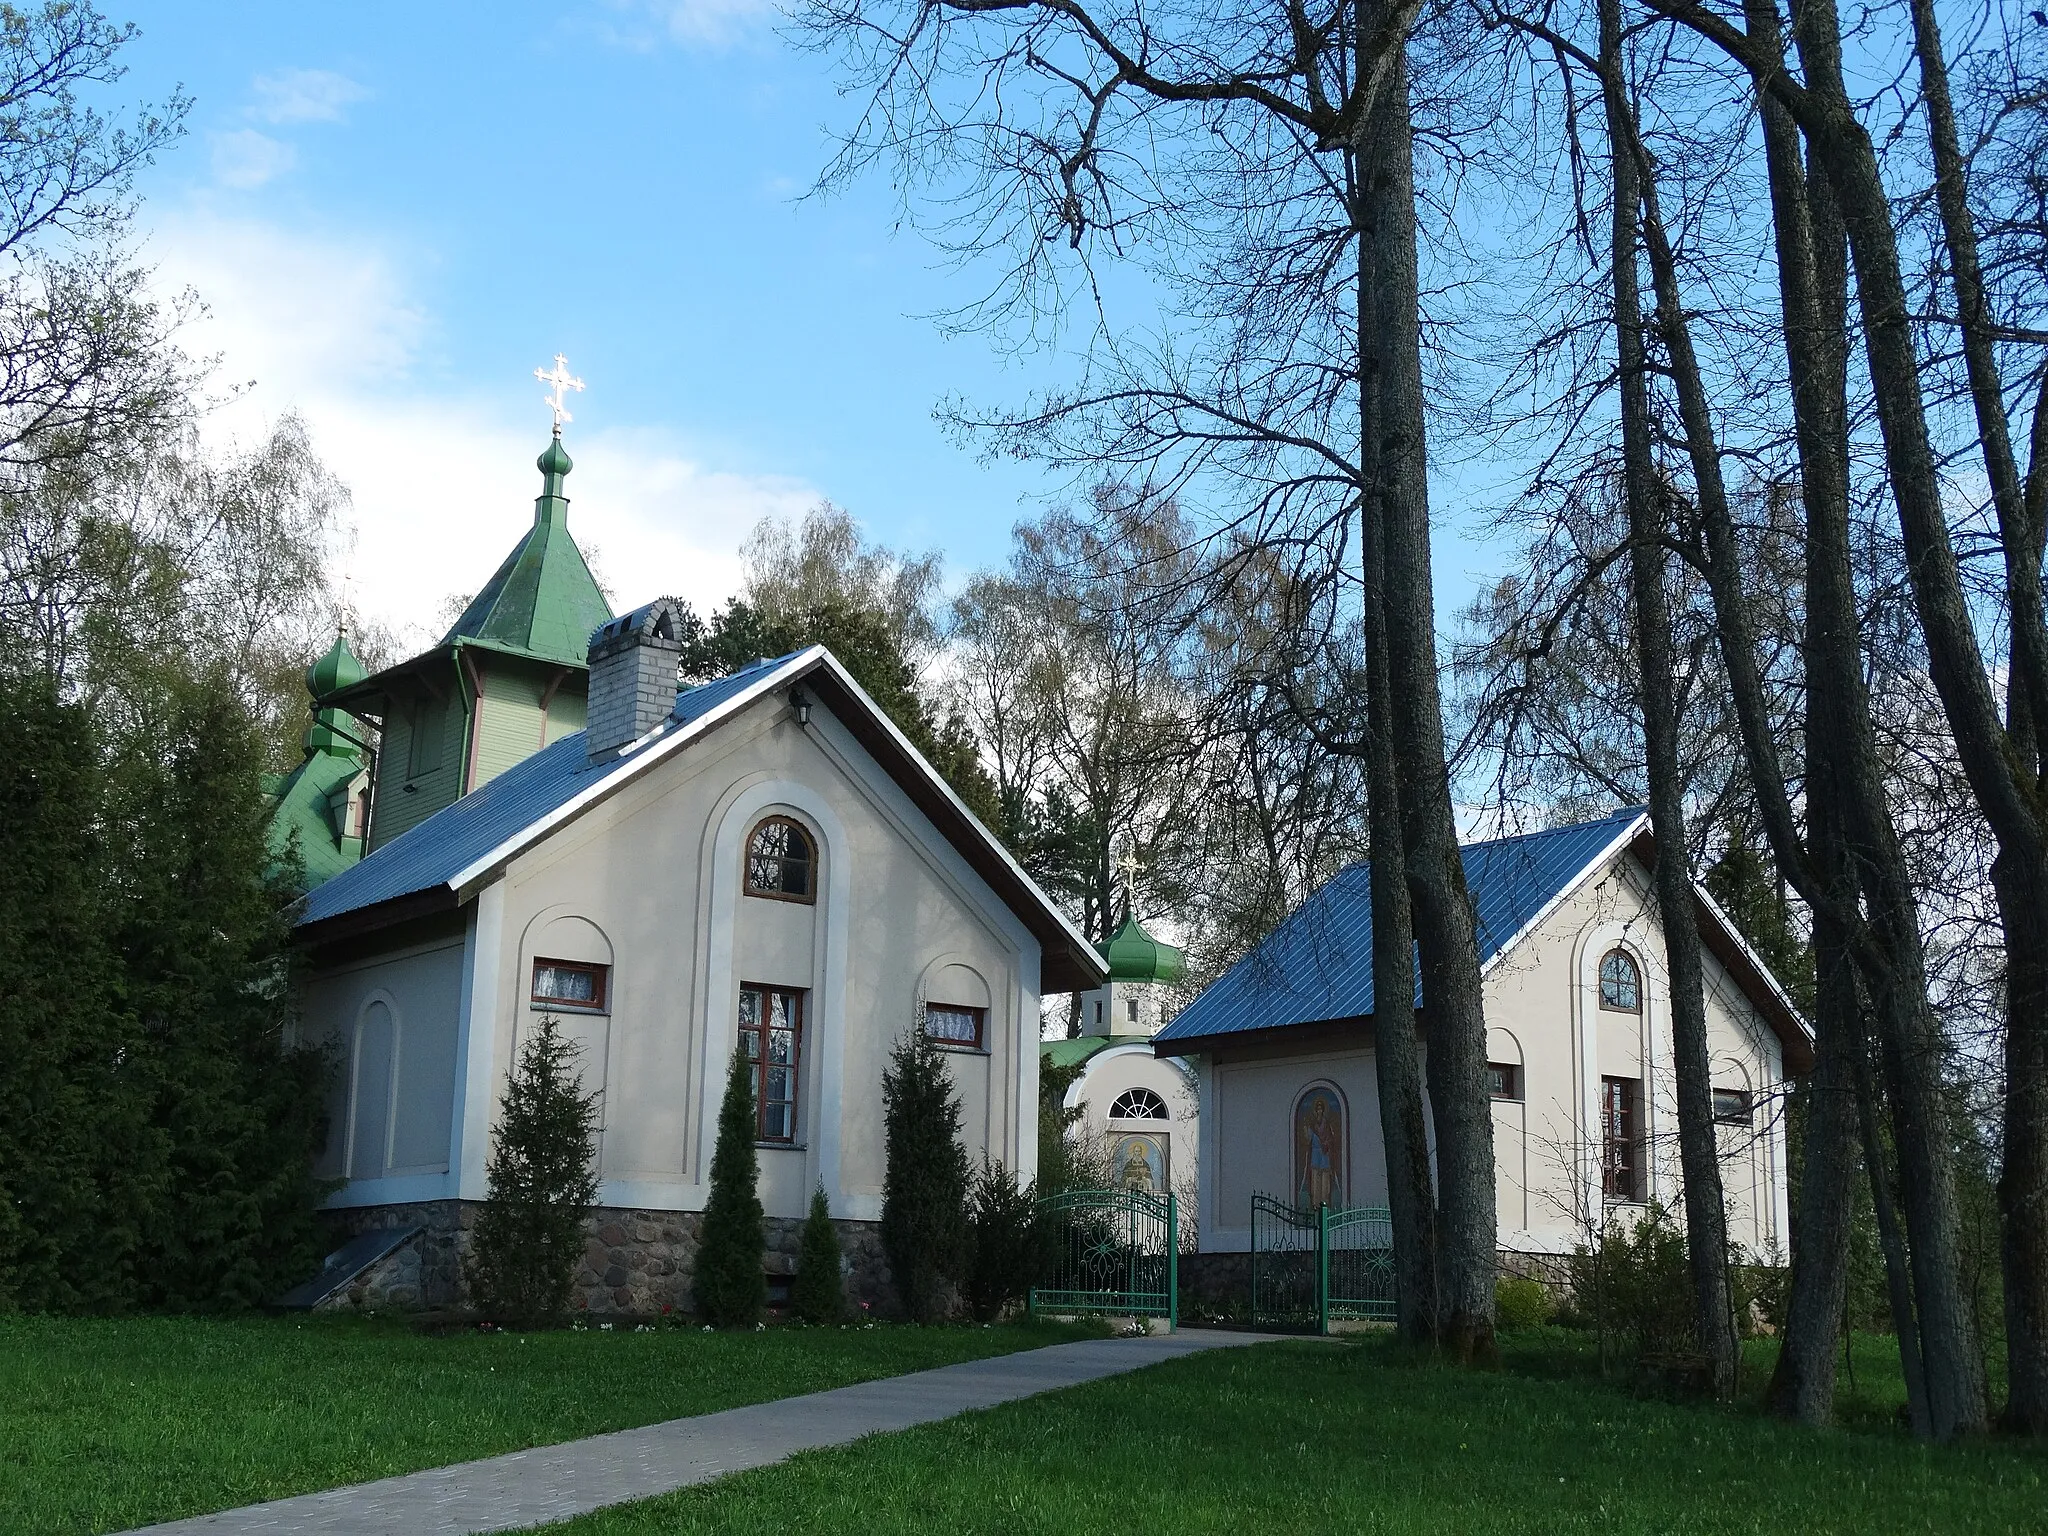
561	379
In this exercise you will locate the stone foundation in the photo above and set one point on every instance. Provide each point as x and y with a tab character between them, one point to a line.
635	1263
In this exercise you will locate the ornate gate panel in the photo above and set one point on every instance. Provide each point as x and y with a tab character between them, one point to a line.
1113	1251
1312	1266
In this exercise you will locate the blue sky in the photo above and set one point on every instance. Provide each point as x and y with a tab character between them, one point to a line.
396	212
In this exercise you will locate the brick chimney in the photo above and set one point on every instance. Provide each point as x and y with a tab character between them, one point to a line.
633	661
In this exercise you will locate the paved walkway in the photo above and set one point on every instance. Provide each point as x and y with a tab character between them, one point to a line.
554	1482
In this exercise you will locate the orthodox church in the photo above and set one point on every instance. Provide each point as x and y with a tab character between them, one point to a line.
761	864
1136	1108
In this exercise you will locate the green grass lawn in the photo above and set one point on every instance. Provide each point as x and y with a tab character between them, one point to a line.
1355	1436
110	1423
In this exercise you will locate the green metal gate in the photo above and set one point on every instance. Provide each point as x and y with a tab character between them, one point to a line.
1113	1251
1309	1267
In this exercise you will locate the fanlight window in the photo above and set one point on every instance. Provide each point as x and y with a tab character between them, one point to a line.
782	862
1138	1104
1621	985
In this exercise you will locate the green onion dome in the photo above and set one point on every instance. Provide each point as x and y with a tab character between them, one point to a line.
1134	955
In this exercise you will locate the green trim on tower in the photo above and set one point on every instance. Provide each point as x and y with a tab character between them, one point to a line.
542	601
314	805
1134	955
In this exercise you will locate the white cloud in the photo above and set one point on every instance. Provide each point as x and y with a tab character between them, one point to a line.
303	96
442	476
245	159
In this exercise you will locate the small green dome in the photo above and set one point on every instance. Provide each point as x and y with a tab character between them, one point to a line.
1134	955
337	669
554	460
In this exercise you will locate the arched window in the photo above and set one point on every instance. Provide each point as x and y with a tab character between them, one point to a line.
1621	985
1138	1104
782	861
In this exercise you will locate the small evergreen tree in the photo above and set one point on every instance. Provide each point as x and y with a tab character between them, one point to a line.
529	1235
1003	1241
817	1295
924	1190
732	1287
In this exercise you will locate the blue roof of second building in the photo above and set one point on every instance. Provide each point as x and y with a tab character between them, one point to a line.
448	842
1317	964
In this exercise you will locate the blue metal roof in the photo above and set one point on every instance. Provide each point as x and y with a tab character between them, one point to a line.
1317	965
449	841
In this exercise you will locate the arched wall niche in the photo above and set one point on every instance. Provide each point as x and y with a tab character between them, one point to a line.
1319	1145
373	1075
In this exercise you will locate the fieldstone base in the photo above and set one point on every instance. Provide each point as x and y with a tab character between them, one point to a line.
636	1263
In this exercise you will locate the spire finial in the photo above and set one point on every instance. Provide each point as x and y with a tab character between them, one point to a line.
559	378
1128	868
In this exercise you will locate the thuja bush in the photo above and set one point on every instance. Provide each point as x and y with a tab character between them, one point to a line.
1003	1242
817	1296
731	1285
528	1241
924	1189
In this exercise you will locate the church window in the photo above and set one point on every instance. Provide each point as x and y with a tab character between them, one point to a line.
771	1034
1503	1080
1131	1009
1098	1010
571	985
782	862
1732	1106
955	1024
1621	984
1138	1104
1621	1152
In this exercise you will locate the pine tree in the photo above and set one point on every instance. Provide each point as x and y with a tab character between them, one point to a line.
924	1190
732	1286
817	1295
543	1171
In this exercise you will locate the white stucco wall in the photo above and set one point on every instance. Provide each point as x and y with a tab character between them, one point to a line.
1543	1015
650	881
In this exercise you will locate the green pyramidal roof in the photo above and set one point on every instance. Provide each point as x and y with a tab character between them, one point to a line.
1134	955
543	599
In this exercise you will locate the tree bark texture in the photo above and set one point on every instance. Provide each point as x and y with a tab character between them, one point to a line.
1706	1221
1467	1230
1397	1050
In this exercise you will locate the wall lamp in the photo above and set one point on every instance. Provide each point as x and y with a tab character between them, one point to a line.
801	705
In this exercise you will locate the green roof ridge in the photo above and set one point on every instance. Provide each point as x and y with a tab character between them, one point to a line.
1134	955
542	599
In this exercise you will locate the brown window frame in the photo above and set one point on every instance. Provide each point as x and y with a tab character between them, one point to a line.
1510	1091
762	1062
1621	1139
979	1015
1747	1116
809	895
603	973
1635	969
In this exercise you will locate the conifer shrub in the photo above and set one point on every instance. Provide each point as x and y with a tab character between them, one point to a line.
528	1241
1003	1242
817	1296
925	1186
731	1284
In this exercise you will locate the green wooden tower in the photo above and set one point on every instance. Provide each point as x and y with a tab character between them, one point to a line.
507	679
320	807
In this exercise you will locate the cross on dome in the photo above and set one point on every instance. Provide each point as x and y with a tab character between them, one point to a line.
560	377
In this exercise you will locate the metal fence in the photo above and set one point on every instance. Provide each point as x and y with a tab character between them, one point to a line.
1114	1251
1312	1266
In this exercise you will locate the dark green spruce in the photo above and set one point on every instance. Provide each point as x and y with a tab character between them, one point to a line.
924	1190
732	1286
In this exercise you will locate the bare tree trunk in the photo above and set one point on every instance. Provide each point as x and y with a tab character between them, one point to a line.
1397	1053
1897	1266
1706	1221
1467	1231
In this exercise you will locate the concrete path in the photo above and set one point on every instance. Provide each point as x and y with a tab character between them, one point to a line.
554	1482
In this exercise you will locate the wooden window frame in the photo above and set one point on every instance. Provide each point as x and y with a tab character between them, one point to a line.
1726	1117
809	896
1621	1153
1512	1090
1635	968
947	1042
761	1061
539	1000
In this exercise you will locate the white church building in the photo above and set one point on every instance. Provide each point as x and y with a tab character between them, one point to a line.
1578	1044
761	863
